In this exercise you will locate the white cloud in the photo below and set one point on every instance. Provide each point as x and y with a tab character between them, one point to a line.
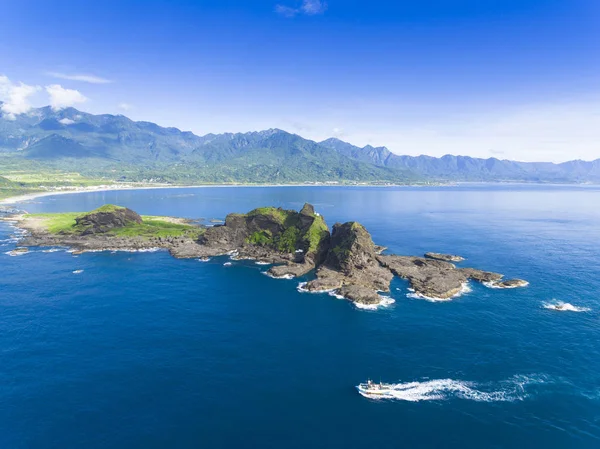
308	7
313	7
66	121
15	97
86	78
286	11
125	106
61	97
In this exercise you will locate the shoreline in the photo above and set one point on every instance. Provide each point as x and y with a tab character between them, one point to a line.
107	188
30	196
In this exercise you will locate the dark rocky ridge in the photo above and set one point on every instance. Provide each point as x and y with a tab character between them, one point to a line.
351	266
346	261
105	219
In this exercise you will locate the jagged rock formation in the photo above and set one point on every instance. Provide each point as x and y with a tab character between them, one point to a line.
299	240
351	266
434	278
106	218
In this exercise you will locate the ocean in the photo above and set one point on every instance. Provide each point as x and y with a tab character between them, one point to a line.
140	350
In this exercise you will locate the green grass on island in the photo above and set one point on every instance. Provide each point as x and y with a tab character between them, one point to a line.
151	226
291	238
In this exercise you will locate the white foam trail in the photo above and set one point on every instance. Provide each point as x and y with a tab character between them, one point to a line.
258	262
513	389
561	306
77	271
466	288
53	250
227	264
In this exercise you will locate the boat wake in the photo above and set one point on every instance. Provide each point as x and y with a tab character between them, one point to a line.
511	390
561	306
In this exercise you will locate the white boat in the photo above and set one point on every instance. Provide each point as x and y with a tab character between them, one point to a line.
375	390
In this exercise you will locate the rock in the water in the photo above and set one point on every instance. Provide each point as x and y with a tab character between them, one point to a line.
351	261
18	251
359	294
428	277
290	270
510	283
444	257
481	276
106	218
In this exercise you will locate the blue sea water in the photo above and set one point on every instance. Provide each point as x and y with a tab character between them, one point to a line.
141	350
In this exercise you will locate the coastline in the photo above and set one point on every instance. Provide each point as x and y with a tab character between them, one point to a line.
30	196
107	188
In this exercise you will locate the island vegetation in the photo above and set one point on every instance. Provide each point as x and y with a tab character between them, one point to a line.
344	260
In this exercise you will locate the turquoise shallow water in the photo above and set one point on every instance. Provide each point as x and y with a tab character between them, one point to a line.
145	351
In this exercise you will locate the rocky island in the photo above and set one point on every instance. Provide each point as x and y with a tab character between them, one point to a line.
345	261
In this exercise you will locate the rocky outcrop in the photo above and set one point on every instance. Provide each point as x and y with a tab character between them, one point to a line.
351	266
346	261
509	283
298	239
444	257
105	219
434	278
428	277
481	276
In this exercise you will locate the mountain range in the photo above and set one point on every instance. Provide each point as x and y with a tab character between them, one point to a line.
114	146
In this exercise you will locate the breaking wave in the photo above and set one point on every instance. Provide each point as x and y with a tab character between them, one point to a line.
561	306
16	253
386	301
302	289
511	390
272	276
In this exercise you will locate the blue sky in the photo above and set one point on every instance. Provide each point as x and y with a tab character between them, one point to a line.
517	79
